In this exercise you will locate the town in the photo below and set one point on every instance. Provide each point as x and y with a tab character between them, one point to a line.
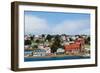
46	45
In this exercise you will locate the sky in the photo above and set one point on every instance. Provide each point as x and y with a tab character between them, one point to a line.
39	22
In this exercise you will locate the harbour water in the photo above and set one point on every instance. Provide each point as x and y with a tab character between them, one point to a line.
27	59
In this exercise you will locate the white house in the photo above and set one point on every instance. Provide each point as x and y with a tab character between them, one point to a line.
26	46
60	51
39	52
41	46
48	50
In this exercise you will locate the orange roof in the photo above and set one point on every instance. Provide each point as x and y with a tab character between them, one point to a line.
72	46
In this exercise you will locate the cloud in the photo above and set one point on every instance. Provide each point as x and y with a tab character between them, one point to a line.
73	27
37	25
34	24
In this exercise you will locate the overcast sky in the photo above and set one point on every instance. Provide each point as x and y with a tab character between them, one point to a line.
56	23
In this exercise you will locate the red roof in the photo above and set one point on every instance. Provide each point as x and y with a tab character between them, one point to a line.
72	46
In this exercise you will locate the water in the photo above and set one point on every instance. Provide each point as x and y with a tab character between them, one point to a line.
54	58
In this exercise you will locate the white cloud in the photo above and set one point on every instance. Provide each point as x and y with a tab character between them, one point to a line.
34	24
72	27
37	25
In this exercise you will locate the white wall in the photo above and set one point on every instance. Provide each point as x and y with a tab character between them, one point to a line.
5	28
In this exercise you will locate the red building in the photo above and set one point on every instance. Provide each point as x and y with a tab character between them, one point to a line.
75	47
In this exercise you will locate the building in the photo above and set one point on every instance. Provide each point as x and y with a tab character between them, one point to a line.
27	53
47	49
73	48
39	52
60	51
77	46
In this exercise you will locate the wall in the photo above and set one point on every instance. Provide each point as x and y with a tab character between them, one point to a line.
5	40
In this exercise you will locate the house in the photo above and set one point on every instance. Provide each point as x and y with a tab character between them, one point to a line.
60	51
27	53
47	49
46	43
39	52
81	40
26	46
36	37
74	37
27	37
63	37
75	47
41	46
72	48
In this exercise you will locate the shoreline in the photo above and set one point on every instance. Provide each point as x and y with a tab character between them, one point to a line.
56	56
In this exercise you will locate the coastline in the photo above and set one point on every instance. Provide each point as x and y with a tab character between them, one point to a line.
28	59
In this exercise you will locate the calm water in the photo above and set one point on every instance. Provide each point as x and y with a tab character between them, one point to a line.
55	58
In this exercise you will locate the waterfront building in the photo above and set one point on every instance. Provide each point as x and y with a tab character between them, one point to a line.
39	52
60	51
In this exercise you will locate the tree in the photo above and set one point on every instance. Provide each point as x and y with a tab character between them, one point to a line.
43	35
70	39
37	41
87	40
35	46
27	42
56	44
48	37
31	37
